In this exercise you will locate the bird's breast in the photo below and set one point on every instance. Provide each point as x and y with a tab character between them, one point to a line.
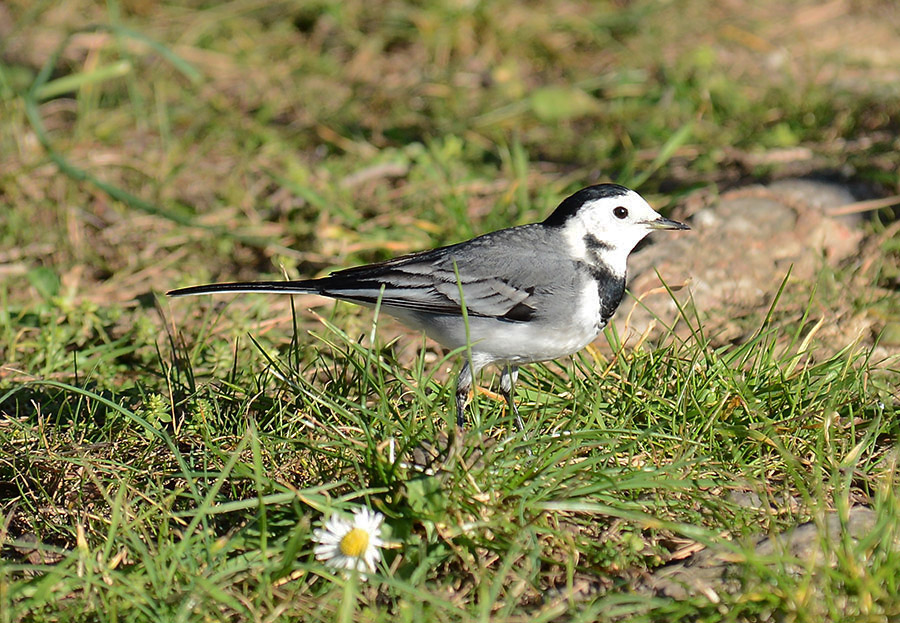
564	323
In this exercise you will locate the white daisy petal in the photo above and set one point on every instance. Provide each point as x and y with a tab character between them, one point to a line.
348	545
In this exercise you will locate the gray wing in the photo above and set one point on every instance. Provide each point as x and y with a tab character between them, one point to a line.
500	275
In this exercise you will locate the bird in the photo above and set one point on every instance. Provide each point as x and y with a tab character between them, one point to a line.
511	297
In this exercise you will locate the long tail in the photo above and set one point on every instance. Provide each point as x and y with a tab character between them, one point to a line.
276	287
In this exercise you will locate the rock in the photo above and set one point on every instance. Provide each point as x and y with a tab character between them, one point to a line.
712	572
740	250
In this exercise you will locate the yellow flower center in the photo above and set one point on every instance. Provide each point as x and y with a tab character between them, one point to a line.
355	542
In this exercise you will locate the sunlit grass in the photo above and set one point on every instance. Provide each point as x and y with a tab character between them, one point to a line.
170	460
624	456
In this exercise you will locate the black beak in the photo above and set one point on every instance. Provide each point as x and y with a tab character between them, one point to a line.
666	223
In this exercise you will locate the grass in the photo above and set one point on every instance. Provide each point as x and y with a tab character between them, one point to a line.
169	460
207	513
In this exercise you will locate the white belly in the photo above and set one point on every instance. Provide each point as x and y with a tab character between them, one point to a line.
502	341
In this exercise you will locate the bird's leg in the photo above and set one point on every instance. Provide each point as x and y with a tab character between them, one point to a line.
463	387
508	378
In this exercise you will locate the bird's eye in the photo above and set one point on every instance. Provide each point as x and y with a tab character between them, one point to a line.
620	212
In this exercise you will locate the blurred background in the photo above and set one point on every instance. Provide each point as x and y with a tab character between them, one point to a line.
148	145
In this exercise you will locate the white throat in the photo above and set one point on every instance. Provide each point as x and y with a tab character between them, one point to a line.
592	249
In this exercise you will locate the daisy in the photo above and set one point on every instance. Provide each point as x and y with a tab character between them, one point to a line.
352	544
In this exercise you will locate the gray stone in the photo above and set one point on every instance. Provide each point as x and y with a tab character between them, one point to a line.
733	262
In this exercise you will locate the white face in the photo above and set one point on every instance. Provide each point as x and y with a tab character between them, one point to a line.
612	226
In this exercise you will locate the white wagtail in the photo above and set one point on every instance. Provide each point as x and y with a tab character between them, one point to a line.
515	296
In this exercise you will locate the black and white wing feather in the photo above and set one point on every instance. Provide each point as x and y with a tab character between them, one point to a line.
439	281
496	278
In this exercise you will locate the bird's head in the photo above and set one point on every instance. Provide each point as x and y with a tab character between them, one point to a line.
607	221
